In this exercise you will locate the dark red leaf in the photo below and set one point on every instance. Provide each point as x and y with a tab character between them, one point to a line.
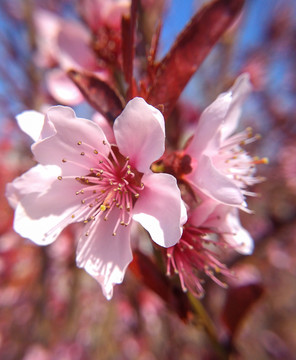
98	93
238	303
146	271
189	50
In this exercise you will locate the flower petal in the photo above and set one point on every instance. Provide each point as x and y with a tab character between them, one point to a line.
139	133
103	123
226	220
38	179
74	51
239	238
102	255
214	184
199	215
239	91
206	135
44	205
31	123
65	137
62	88
160	209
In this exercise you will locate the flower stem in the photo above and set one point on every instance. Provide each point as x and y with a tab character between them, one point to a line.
205	320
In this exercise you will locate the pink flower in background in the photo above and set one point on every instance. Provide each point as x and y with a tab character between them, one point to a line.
209	228
63	45
81	177
100	13
222	169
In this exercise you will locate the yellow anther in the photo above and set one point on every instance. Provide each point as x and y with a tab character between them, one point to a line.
82	153
96	152
265	160
64	160
79	143
59	178
103	207
157	168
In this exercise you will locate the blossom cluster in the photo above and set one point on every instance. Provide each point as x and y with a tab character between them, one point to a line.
113	180
104	179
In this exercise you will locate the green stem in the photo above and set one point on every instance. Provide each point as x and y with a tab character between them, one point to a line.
208	325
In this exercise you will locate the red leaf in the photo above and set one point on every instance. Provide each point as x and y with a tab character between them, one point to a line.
189	50
238	303
98	93
146	271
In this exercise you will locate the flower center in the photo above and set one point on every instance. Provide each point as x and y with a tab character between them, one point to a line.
110	183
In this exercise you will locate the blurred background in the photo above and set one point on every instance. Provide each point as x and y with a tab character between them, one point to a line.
49	309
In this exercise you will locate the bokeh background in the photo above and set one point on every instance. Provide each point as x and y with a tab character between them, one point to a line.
49	309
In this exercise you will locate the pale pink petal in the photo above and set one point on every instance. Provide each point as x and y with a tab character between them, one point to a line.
105	126
31	123
160	210
203	211
70	139
238	237
104	256
140	135
100	13
207	129
239	91
214	184
47	26
38	179
41	215
225	219
74	42
62	88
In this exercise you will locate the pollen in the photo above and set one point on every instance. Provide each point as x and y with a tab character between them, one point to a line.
79	143
103	207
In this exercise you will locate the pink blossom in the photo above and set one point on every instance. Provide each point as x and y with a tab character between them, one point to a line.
222	169
100	13
65	44
81	177
211	226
